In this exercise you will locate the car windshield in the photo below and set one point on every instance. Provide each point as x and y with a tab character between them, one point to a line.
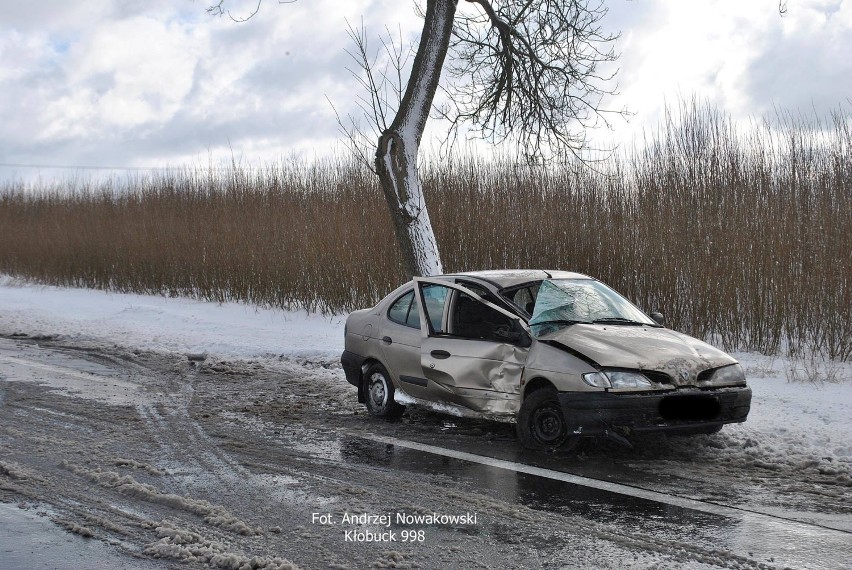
565	302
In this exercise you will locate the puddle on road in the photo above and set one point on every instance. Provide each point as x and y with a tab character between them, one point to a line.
756	536
28	540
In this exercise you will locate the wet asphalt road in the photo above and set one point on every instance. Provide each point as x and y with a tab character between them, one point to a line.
148	459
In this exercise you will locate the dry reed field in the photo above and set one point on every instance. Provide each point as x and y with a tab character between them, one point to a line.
741	237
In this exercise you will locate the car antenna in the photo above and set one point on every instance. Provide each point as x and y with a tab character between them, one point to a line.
549	276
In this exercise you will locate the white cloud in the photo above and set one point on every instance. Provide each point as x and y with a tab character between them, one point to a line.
149	83
134	72
806	62
739	55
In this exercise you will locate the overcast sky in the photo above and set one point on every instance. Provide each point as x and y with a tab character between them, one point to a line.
157	83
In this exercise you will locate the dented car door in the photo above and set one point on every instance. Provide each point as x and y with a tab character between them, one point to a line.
472	351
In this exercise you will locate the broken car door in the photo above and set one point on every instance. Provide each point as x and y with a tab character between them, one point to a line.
472	352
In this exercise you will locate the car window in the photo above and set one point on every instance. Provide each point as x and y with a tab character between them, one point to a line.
484	293
524	297
562	302
475	320
475	287
398	312
435	298
413	319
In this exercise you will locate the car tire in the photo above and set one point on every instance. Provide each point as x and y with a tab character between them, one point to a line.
378	393
541	425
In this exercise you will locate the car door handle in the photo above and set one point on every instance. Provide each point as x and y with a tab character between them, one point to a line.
387	340
440	354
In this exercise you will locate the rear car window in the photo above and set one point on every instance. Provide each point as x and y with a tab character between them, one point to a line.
404	311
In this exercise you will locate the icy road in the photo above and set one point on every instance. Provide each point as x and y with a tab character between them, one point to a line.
225	463
116	450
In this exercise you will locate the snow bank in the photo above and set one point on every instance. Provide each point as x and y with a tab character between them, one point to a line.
796	426
227	330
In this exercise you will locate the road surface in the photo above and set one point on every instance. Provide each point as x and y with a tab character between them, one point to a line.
157	461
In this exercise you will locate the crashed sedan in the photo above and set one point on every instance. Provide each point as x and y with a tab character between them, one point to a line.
559	352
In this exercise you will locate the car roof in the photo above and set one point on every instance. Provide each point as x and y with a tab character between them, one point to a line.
503	278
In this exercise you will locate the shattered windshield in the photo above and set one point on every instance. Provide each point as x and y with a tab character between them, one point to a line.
564	302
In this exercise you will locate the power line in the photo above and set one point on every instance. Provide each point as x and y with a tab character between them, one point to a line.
87	167
194	168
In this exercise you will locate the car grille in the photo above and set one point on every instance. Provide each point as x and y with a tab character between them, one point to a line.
658	377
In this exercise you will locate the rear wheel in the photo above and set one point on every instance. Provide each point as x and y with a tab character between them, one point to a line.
378	390
541	424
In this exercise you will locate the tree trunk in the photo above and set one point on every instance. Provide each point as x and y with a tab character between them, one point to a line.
396	155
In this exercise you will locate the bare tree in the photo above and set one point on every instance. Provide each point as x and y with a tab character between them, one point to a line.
523	70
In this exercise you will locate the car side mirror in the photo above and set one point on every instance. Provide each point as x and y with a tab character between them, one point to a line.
658	318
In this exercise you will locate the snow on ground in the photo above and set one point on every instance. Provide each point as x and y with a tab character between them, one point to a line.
802	413
792	425
796	428
146	322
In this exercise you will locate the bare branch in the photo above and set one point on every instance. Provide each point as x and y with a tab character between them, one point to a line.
356	139
218	9
380	75
536	73
530	71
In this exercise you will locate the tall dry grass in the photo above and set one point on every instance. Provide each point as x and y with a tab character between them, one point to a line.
292	235
742	238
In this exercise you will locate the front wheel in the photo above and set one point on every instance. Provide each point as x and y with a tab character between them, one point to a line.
379	390
541	424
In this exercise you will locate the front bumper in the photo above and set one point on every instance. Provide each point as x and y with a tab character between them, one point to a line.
596	413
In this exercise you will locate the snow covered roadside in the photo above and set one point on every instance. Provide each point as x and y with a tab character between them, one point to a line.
792	425
796	431
146	322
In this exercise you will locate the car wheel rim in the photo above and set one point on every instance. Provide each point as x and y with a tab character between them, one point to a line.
378	390
547	425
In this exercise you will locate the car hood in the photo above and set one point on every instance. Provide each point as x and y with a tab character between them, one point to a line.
679	356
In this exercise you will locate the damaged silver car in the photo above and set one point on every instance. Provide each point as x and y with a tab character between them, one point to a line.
560	352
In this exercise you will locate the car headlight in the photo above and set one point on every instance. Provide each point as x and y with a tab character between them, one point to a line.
633	380
618	379
731	375
597	379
